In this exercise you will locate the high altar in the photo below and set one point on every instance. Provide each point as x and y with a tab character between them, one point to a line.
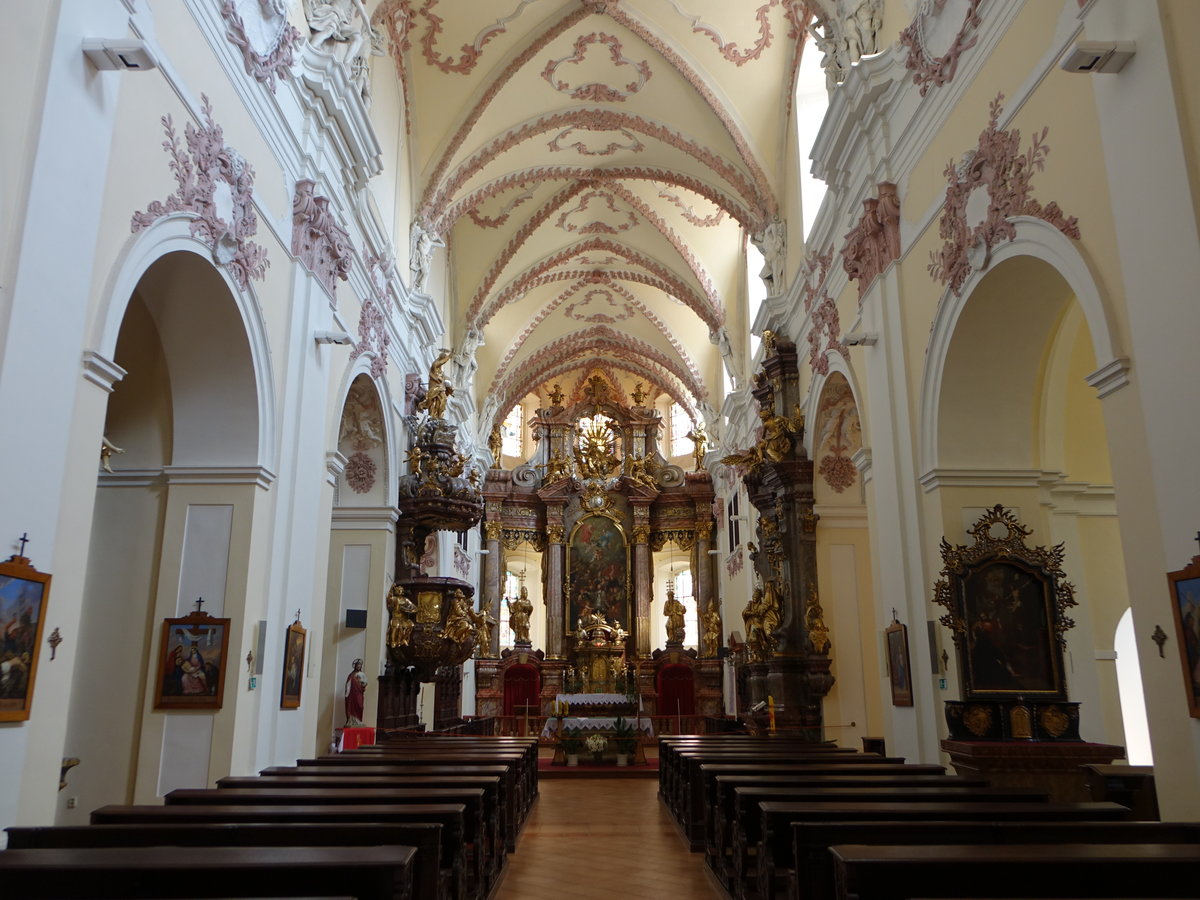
596	502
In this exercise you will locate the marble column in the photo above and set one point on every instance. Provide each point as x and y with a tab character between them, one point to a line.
703	566
492	581
642	587
554	587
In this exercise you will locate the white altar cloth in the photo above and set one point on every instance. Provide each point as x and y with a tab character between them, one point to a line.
593	724
593	699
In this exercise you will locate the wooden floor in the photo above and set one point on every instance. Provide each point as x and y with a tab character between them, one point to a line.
599	839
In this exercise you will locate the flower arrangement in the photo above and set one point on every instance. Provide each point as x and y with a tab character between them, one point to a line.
596	743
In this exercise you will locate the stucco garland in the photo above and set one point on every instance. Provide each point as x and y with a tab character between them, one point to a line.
596	91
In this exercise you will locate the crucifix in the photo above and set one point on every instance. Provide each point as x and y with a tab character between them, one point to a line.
199	603
24	539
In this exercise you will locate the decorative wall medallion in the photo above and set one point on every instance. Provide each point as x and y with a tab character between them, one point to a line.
217	185
618	220
595	141
594	90
1053	721
689	212
990	185
428	562
360	472
318	241
412	387
260	29
937	37
978	720
373	336
729	50
874	242
838	434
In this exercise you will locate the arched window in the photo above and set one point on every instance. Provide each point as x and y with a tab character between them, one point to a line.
812	101
510	432
680	426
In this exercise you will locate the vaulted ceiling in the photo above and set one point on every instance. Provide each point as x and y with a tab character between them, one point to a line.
594	168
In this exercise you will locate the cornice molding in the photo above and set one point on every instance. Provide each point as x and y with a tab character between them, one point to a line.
365	518
259	476
1111	377
101	371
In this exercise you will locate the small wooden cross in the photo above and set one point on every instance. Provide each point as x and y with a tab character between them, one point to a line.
1159	637
54	640
199	603
297	615
24	539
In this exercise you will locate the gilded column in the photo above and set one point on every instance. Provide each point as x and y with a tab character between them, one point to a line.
493	565
554	586
642	581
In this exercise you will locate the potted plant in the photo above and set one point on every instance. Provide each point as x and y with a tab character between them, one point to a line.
625	739
570	744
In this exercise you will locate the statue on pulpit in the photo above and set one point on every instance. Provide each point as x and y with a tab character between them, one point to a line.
400	617
710	625
519	611
752	619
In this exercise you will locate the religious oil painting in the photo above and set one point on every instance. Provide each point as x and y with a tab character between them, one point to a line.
598	573
1186	607
899	672
1008	617
293	666
23	595
191	666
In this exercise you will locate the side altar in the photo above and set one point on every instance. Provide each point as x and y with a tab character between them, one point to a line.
588	513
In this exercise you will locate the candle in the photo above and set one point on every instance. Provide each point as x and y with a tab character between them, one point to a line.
771	712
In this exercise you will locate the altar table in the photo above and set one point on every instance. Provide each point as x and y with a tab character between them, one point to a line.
593	699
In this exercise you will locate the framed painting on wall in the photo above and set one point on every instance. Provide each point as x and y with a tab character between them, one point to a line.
23	595
899	673
191	662
1185	606
293	666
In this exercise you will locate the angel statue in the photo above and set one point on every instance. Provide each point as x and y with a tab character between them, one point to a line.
439	390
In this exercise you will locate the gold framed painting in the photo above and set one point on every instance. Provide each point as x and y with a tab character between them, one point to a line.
191	662
1185	606
293	666
23	595
899	672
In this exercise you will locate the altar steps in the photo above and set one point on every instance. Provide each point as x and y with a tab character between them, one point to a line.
546	769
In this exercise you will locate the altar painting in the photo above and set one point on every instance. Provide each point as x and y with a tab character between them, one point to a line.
598	571
1010	634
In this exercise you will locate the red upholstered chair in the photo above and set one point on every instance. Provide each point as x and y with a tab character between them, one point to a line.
676	690
522	687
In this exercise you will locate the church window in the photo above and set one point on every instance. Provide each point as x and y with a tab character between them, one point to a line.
680	426
812	101
735	524
510	432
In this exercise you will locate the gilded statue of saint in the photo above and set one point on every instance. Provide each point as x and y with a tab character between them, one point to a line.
483	623
495	445
459	628
438	390
674	611
400	613
699	445
519	611
710	626
752	619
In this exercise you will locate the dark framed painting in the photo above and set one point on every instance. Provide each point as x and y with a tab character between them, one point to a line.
1185	605
899	671
191	662
23	595
598	572
293	666
1008	616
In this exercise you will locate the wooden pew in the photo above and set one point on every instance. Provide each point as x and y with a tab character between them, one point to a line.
721	811
743	834
432	876
484	857
445	747
368	873
867	872
450	816
704	795
812	874
495	804
776	817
